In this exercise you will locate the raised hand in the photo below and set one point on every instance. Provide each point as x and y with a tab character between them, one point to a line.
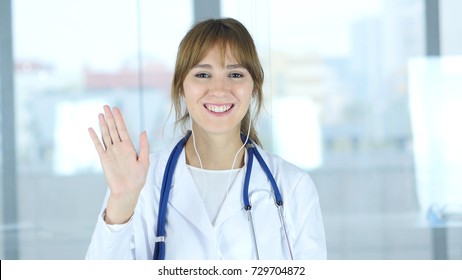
124	169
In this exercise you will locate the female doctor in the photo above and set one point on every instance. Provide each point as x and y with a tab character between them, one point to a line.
213	195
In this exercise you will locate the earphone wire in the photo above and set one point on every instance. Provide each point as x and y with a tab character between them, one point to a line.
228	185
235	157
200	162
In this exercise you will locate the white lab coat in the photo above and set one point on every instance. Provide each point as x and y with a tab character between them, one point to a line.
189	232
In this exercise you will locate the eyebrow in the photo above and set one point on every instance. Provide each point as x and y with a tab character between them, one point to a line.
208	66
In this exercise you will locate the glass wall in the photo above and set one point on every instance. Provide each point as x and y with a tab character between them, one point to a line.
338	85
337	78
71	58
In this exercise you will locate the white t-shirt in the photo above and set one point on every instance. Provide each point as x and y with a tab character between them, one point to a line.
213	187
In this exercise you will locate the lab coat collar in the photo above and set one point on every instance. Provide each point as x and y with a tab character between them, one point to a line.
234	204
185	197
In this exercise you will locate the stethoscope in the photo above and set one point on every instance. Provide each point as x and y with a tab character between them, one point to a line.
159	249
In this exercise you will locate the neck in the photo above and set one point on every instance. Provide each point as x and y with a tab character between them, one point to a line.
217	152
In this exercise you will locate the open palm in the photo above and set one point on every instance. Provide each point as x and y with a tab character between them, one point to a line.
124	169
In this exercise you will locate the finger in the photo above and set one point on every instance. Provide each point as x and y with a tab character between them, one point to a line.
99	147
111	124
105	136
120	124
144	149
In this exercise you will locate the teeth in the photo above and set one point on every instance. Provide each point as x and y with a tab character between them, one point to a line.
218	109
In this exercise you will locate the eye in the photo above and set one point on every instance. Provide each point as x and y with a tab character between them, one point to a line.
236	75
202	75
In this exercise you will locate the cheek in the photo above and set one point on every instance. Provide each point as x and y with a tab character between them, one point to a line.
191	93
191	103
245	94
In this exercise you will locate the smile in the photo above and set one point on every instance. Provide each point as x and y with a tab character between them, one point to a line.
218	108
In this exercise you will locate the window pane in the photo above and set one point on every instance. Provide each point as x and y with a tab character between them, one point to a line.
71	58
450	27
338	96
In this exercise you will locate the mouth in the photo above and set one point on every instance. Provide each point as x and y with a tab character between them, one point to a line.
218	108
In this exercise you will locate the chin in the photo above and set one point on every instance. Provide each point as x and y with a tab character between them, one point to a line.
218	129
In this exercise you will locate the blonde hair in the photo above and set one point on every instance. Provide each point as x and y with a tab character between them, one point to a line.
223	33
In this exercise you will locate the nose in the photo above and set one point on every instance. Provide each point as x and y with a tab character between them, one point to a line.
219	86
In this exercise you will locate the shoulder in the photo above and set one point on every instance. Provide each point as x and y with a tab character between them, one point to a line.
158	160
291	179
281	167
294	182
160	157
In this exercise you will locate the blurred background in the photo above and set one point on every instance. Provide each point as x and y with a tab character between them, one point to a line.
363	94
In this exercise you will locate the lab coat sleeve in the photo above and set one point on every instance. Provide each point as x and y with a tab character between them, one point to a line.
111	241
305	212
130	240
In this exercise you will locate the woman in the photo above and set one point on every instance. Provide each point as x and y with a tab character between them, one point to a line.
217	83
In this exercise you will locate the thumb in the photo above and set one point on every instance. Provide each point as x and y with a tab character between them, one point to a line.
144	148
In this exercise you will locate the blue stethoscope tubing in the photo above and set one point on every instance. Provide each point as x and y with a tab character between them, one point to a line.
159	248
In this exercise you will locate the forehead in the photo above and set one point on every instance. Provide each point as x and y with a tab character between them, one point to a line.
223	54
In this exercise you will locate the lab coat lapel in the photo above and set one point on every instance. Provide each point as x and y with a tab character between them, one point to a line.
235	203
185	198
